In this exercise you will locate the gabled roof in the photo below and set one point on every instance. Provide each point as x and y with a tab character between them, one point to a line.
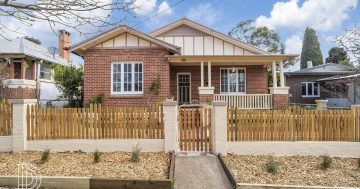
80	47
209	31
22	46
328	68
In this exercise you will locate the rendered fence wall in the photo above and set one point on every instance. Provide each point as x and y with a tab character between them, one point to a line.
294	125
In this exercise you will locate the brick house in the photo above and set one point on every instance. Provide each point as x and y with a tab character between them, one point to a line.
30	68
306	85
193	62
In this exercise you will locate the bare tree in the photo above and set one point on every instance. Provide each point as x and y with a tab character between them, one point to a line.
74	14
350	41
4	74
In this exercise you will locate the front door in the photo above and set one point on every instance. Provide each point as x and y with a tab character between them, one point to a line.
184	88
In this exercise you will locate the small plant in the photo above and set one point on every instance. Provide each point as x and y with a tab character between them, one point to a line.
326	162
99	99
358	162
135	154
97	156
272	165
45	156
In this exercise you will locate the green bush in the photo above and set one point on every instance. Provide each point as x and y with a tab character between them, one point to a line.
326	162
272	165
97	156
99	99
45	156
135	154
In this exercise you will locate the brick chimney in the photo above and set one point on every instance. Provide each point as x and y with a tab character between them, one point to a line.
64	44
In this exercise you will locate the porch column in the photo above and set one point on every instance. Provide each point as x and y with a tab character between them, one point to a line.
209	74
274	74
282	81
23	69
202	74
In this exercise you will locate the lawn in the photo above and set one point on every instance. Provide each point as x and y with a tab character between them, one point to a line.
114	164
296	170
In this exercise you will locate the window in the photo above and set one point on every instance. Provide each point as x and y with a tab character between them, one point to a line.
232	80
45	72
310	89
127	78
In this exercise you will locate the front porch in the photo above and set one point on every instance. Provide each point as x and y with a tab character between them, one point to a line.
242	81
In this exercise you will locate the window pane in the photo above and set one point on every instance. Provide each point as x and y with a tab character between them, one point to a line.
224	80
241	80
232	80
310	89
303	89
316	89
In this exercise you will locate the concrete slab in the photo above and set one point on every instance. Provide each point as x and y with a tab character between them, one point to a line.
200	172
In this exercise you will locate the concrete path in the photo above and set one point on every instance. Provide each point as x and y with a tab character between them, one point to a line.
200	172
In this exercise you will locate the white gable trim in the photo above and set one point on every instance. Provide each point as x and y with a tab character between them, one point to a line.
208	31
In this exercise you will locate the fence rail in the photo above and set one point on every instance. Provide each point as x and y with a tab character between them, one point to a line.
95	122
246	101
293	125
5	118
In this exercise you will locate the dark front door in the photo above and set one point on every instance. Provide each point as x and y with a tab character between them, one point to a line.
184	88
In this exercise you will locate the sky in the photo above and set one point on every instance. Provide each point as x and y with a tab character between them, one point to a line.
289	18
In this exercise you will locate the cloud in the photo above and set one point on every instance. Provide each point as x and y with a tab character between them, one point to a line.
165	9
323	15
293	44
204	13
144	7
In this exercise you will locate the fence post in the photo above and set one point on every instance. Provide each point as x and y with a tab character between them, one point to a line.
219	127
321	104
171	126
19	123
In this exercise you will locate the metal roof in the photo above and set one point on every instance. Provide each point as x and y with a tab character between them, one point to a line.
28	48
328	68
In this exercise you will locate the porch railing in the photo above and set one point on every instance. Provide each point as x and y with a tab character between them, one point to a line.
247	101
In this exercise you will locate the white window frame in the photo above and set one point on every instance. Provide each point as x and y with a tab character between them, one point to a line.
237	81
52	72
132	92
313	89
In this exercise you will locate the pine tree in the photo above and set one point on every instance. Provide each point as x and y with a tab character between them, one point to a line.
311	49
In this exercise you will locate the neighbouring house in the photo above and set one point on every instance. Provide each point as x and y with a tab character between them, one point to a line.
305	85
31	68
344	90
193	62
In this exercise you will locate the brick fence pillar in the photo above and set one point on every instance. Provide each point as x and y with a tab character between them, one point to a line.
171	126
280	97
219	127
19	123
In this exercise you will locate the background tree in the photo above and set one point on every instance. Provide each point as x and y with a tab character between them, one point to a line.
74	14
4	74
339	56
350	41
69	80
36	41
311	49
261	36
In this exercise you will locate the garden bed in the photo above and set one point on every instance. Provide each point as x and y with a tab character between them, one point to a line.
79	164
295	170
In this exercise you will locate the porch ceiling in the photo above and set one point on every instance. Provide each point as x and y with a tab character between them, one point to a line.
220	59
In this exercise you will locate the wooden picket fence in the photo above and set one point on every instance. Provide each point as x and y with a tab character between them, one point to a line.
195	129
294	124
95	122
5	118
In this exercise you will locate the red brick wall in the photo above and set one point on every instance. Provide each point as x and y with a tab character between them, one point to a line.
256	79
18	93
280	101
97	74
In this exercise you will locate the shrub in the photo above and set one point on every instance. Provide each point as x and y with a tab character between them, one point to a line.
45	156
326	162
272	165
358	161
135	154
96	156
